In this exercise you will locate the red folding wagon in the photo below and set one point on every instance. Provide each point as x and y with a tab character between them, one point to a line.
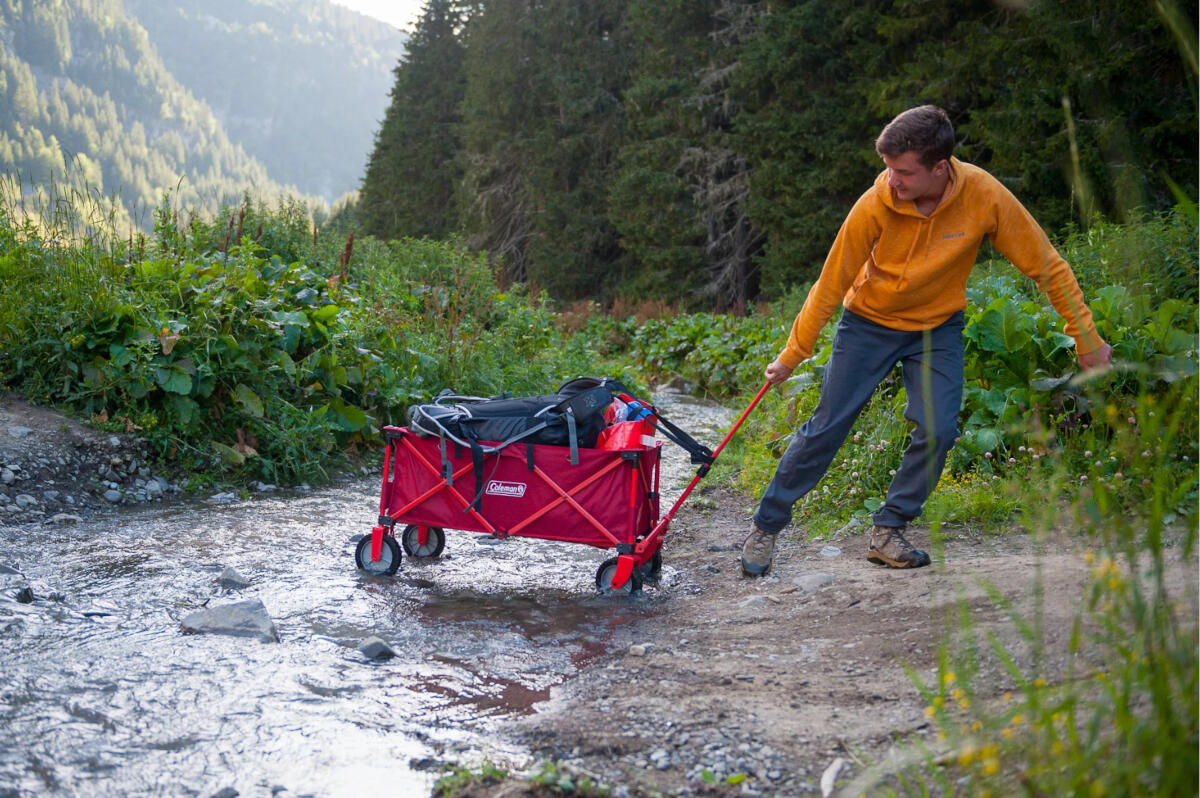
607	496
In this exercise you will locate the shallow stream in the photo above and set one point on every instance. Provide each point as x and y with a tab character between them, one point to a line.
101	693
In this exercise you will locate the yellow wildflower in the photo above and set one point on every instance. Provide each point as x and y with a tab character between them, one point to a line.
967	755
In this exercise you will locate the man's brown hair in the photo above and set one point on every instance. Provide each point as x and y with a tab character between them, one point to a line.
925	130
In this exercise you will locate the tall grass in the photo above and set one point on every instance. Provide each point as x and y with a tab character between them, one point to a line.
1116	713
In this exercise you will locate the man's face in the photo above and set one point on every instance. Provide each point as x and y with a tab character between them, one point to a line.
912	180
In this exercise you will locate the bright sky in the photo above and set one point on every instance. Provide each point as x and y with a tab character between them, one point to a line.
400	13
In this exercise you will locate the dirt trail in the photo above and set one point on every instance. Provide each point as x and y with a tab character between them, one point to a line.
776	677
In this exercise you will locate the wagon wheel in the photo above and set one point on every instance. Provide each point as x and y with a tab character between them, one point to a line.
389	556
604	577
435	541
652	567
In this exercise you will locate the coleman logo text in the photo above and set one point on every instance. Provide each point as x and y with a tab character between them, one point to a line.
514	489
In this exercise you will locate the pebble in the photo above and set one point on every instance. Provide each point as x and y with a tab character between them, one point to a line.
232	579
112	495
19	432
376	648
810	582
831	551
243	619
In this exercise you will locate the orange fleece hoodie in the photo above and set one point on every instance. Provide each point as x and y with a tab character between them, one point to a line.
906	271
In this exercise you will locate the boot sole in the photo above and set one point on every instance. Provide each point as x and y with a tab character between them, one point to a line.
878	559
750	569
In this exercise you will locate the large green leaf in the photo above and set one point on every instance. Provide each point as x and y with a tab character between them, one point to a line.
346	416
173	379
228	454
249	400
1003	327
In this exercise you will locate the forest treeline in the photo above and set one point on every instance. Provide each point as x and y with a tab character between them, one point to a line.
130	100
705	151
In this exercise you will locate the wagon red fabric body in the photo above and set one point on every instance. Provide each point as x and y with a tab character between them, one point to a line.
609	499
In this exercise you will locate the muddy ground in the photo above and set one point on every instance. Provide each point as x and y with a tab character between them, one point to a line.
777	678
762	682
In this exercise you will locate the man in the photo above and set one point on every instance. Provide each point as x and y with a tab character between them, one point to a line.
899	266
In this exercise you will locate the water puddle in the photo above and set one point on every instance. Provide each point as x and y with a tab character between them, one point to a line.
102	693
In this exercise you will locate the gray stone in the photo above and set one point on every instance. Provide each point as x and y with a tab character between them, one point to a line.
65	518
241	619
25	595
154	489
223	498
640	649
19	432
831	551
50	495
114	441
754	601
810	582
112	495
375	648
232	579
25	501
7	476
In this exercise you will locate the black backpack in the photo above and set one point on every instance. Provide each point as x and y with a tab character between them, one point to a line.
571	416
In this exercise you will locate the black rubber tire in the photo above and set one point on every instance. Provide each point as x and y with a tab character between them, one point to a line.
604	575
389	556
434	544
652	567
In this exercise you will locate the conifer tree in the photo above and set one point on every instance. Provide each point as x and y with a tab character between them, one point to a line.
409	186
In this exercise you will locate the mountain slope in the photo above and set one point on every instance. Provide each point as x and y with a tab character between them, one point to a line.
301	85
82	86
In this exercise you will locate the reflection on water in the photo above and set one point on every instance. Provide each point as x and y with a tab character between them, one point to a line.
101	693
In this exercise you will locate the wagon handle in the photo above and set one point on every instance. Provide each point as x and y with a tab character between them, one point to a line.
703	470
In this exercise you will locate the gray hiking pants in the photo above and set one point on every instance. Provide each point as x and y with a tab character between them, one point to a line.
863	354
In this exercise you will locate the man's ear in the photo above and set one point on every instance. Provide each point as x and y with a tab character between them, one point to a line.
941	167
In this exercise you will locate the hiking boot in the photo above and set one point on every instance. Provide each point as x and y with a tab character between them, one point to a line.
890	548
757	551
